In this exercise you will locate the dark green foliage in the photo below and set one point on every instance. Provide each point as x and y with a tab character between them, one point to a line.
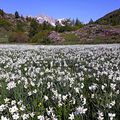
46	26
2	12
78	23
73	22
17	14
20	26
41	37
5	24
34	28
60	28
112	18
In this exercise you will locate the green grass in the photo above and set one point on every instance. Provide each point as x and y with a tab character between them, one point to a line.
70	39
4	37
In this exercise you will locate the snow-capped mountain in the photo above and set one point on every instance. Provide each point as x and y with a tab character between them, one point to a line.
50	20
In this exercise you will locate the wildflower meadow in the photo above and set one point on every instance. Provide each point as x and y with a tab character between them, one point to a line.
80	82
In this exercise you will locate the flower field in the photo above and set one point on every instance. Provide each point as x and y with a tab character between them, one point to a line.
60	82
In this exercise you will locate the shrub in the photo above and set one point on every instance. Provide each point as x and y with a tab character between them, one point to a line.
21	26
5	24
19	37
67	28
71	38
41	37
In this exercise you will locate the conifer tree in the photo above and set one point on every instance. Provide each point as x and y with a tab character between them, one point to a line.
2	12
17	14
91	21
77	22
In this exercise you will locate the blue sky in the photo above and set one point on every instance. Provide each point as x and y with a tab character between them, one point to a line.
82	9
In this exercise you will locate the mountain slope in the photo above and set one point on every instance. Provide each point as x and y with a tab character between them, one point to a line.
13	27
37	30
9	22
93	34
112	18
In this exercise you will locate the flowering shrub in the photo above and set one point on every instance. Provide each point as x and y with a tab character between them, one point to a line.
60	82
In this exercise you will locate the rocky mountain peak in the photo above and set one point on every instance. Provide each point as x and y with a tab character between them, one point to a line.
50	20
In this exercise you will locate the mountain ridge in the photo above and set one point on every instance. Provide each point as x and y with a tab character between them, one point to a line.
44	29
112	18
52	21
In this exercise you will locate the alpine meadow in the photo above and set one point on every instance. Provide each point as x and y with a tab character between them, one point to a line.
60	60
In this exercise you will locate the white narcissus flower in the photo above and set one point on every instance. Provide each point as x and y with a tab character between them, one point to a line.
84	101
100	116
102	87
11	85
25	116
32	114
111	115
117	92
113	86
71	116
2	107
13	102
4	118
60	103
74	101
53	117
49	110
92	95
20	102
35	91
29	93
112	103
6	100
40	117
64	97
46	98
48	85
15	116
22	108
32	83
13	109
93	87
81	110
41	73
25	68
76	89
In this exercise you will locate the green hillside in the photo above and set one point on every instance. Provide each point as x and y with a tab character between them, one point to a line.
14	28
112	18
